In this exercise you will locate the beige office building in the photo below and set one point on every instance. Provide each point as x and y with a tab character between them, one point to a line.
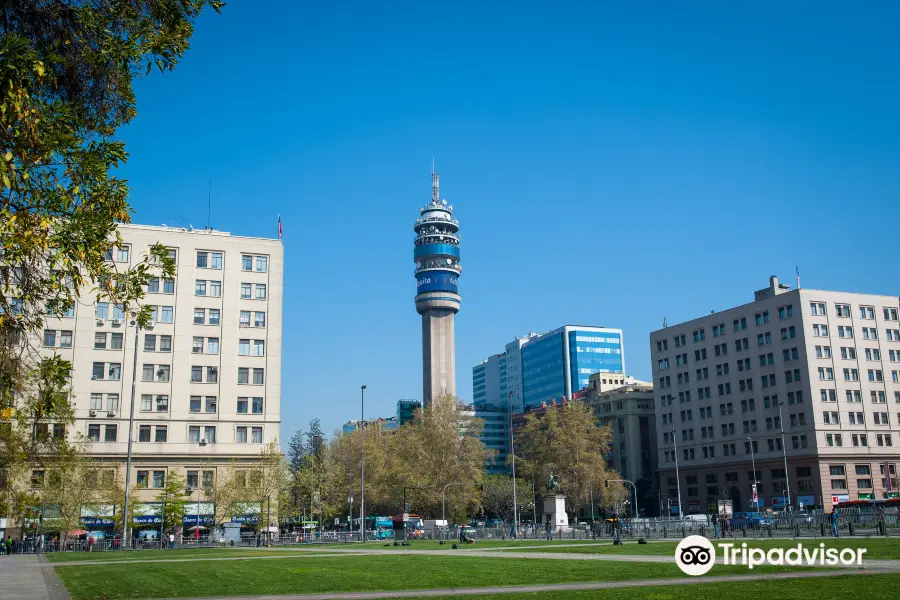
208	370
823	365
627	407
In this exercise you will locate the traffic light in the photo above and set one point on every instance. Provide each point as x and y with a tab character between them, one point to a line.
606	483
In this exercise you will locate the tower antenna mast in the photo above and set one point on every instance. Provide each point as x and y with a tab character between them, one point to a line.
435	185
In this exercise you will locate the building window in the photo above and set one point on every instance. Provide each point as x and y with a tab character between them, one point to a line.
212	374
246	263
122	254
244	348
159	479
259	319
257	406
193	438
212	345
243	375
94	433
260	292
215	289
242	404
261	264
200	288
195	404
259	376
197	345
240	435
161	433
214	314
199	316
144	433
110	433
246	292
256	435
259	348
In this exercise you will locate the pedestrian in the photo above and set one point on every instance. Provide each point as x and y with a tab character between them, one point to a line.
549	530
91	543
834	523
171	540
594	529
715	520
9	545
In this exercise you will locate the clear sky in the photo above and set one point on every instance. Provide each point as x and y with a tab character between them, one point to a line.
611	163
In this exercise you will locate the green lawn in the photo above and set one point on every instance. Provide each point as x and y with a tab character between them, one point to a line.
281	550
344	574
877	548
870	587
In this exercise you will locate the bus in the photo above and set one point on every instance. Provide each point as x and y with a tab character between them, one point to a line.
868	511
412	524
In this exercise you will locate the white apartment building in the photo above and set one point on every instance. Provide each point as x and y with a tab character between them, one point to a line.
823	365
208	372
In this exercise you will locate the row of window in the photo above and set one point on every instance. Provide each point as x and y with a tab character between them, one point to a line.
215	260
855	396
205	259
843	310
831	417
850	374
159	434
699	335
858	440
151	372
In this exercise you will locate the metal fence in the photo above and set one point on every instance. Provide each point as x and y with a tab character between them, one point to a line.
815	524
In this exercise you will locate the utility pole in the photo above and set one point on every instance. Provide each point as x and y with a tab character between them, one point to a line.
677	476
512	451
362	499
787	479
755	481
126	532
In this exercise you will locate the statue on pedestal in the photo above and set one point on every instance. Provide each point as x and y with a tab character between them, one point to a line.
553	484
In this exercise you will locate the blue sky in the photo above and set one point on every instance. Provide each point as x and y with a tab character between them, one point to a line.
611	163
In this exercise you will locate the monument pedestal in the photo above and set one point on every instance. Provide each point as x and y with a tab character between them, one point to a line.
555	509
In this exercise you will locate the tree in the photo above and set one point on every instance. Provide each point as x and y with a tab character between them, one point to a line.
497	496
173	501
70	486
296	451
567	442
66	72
260	486
441	445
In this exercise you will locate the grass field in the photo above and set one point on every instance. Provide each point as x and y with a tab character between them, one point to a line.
282	550
877	548
345	574
870	587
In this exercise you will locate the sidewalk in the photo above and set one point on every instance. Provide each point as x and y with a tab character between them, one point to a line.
34	583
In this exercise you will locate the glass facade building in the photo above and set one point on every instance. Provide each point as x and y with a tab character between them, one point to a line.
537	369
561	362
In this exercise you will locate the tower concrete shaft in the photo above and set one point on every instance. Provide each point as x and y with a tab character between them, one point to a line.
437	300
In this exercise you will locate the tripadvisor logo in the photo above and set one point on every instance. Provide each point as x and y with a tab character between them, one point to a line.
696	555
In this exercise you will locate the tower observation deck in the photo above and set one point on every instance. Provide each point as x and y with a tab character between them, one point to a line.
437	298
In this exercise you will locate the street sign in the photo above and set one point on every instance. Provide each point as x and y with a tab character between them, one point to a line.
755	495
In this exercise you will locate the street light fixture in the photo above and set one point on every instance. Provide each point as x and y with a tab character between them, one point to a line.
443	495
677	476
753	461
787	479
125	526
512	451
362	499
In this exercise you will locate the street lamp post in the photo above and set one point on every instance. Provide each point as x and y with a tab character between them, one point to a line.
787	479
443	496
512	451
634	487
350	520
362	499
125	527
753	461
677	476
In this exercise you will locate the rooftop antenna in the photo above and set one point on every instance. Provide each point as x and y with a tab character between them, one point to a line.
209	205
435	184
665	322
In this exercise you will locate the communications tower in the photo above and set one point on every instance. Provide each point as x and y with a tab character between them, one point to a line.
437	298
